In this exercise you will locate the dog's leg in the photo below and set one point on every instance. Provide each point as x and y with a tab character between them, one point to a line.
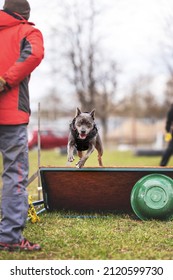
99	149
70	150
82	160
100	160
79	154
70	157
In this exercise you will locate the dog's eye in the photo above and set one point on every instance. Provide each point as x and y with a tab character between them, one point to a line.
89	124
78	124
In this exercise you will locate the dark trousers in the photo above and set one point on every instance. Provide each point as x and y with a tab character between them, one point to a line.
14	204
167	154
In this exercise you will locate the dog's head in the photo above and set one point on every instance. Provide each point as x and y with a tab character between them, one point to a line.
84	122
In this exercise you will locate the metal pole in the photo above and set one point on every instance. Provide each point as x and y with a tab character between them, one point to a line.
39	153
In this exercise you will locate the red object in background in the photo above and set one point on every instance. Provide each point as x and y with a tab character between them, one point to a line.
48	139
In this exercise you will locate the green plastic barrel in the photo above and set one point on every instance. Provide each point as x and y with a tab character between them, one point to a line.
152	197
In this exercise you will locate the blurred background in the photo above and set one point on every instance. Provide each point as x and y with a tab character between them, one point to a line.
112	55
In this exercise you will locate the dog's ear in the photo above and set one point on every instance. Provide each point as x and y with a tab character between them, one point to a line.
78	112
92	113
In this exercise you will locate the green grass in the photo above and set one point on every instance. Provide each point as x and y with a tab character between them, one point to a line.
97	236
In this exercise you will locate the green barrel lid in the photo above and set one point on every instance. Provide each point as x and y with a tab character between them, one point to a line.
152	197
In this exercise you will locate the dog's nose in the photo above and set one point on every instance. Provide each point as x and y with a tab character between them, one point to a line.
83	131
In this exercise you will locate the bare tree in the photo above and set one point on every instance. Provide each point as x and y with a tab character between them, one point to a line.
86	67
167	54
141	101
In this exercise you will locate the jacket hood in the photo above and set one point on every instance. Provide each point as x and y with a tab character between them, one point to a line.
11	19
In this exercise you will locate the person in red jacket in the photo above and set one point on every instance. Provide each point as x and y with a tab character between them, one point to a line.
22	50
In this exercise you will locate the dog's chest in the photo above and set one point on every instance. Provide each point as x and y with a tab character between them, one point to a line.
82	144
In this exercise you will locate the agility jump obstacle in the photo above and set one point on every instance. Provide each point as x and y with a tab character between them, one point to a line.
109	189
146	191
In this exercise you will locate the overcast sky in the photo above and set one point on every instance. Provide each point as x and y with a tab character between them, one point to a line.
133	30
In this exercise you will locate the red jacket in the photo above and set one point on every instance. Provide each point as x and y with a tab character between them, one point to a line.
21	51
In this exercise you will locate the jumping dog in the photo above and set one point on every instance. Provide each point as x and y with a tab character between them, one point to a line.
84	136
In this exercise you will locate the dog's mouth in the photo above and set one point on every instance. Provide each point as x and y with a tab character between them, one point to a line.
82	135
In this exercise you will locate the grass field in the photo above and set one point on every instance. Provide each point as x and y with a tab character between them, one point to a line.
100	236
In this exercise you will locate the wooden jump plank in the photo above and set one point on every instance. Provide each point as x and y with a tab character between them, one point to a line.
93	189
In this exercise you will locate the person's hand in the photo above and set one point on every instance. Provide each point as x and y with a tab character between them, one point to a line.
3	85
168	137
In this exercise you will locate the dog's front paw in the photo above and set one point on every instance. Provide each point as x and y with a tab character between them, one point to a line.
80	164
70	158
